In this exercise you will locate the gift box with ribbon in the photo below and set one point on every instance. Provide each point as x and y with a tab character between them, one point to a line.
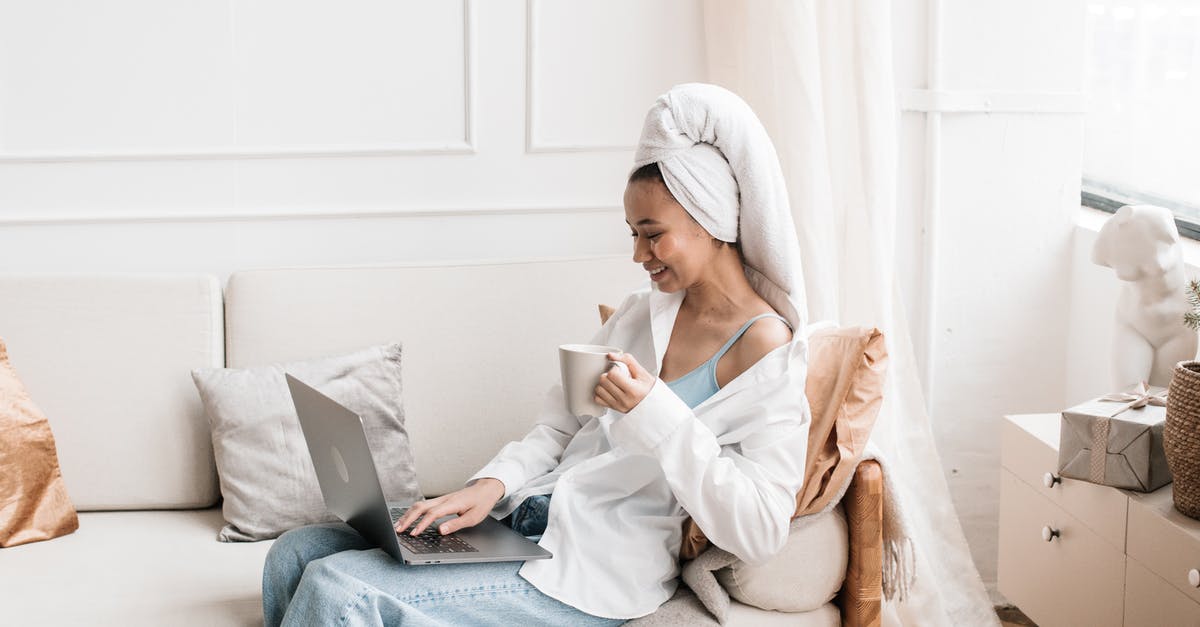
1117	440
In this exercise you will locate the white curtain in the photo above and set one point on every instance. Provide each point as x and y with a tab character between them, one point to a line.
819	75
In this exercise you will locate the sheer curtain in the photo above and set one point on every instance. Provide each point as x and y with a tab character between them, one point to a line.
819	75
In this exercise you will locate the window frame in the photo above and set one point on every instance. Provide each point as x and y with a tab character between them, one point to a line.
1108	197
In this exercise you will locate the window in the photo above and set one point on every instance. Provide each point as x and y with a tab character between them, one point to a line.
1142	126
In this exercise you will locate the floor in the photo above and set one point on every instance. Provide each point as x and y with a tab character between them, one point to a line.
1010	616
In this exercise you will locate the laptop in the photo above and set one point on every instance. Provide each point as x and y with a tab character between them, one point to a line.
350	485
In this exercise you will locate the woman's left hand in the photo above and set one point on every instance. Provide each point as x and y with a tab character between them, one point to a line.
621	391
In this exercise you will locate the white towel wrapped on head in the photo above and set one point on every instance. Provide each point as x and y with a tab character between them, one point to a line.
720	165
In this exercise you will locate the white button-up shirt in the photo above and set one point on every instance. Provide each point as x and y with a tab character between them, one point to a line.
624	483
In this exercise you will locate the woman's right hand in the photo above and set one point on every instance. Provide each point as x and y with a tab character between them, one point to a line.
471	503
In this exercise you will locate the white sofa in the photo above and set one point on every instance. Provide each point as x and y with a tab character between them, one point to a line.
108	357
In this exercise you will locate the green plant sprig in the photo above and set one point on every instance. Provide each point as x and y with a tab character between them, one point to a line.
1192	318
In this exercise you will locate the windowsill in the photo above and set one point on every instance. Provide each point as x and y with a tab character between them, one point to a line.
1091	220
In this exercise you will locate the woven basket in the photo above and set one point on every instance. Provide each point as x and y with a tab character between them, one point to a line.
1181	436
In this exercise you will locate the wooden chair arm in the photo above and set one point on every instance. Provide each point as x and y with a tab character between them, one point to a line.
861	596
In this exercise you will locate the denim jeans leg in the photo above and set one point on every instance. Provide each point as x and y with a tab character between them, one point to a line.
531	516
370	588
291	553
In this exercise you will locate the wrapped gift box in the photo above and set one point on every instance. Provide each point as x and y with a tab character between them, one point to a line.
1116	440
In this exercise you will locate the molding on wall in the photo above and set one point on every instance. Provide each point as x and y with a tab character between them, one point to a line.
291	152
532	143
465	147
943	101
290	215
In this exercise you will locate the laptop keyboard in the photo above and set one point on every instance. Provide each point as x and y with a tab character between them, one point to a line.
430	540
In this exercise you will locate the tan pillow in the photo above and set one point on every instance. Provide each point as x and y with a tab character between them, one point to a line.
605	312
846	372
34	505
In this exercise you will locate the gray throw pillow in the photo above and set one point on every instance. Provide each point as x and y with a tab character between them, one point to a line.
266	475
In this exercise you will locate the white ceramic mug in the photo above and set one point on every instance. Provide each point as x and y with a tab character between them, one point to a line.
581	366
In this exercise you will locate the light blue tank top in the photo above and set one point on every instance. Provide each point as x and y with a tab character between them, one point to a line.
696	386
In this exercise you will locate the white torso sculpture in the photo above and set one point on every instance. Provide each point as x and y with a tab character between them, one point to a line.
1141	243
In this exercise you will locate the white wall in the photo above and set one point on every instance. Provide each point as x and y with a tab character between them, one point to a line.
141	135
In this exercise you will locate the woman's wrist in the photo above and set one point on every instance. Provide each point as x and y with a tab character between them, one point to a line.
492	486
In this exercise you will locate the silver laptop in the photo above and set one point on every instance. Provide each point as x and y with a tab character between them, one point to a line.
350	485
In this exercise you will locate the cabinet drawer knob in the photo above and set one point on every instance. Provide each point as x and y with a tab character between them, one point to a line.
1050	479
1049	534
1194	578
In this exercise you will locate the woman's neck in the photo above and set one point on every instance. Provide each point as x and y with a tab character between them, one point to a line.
723	294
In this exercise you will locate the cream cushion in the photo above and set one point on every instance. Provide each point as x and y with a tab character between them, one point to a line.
805	575
107	357
740	615
135	568
480	339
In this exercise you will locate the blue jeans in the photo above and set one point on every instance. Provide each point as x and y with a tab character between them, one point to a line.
329	575
530	517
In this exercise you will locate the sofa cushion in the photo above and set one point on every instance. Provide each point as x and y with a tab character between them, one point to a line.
684	608
742	615
480	339
34	505
135	568
162	568
266	472
107	358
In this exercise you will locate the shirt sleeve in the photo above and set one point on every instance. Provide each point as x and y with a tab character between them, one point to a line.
743	494
540	451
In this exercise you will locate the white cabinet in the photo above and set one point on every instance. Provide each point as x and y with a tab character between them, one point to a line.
1077	553
1151	601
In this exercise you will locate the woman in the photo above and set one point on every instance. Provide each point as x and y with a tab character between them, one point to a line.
714	426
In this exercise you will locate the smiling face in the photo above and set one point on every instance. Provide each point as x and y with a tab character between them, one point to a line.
664	235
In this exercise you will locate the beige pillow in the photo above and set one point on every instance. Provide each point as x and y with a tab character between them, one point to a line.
805	575
265	471
34	504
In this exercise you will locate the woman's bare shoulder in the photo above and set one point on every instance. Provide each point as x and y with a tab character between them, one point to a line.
764	336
